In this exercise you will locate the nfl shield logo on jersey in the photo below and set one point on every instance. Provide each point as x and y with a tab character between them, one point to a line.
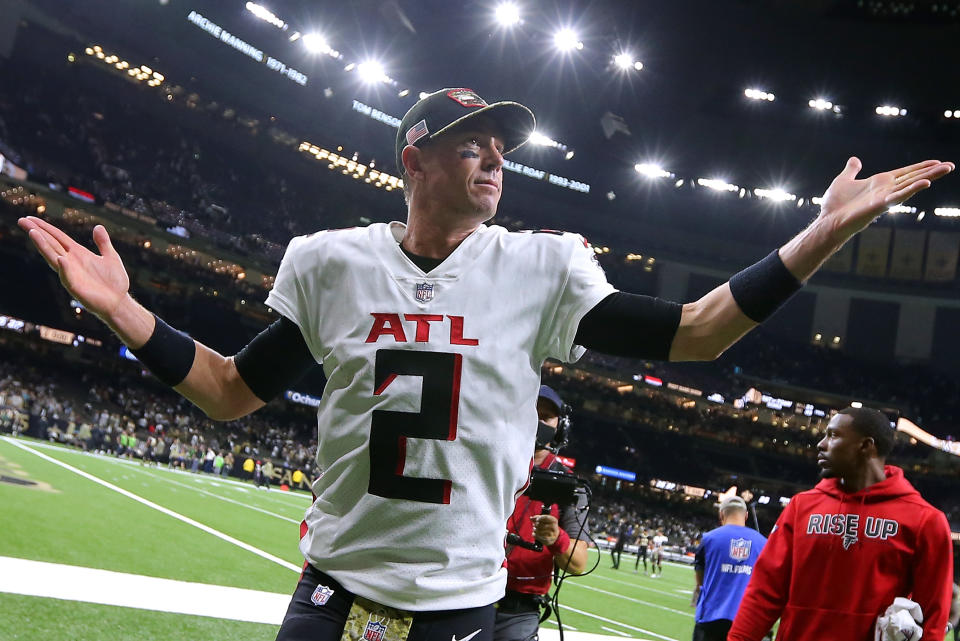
321	595
740	549
374	631
424	292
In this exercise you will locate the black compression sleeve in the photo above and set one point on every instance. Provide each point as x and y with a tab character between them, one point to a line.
276	358
630	325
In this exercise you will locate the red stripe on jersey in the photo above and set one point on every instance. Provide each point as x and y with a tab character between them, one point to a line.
384	385
447	485
455	397
303	533
401	454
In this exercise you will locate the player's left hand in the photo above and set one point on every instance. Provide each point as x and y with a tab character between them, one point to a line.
850	205
546	529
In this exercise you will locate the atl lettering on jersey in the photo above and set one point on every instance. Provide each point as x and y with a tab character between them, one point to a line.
848	526
390	325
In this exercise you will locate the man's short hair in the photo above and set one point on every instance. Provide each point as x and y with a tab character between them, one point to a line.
732	504
874	424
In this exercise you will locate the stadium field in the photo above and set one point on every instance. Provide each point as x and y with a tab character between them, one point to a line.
101	549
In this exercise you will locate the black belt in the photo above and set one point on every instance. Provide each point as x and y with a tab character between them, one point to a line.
518	602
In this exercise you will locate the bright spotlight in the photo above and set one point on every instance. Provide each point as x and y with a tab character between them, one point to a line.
315	43
759	94
567	40
371	72
888	110
507	14
651	170
537	138
623	60
568	155
423	94
820	104
777	194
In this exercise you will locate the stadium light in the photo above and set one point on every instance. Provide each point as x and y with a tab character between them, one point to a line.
947	212
890	111
542	140
717	184
951	114
820	104
651	170
625	62
777	194
371	72
902	209
568	155
315	43
507	14
758	94
567	40
266	15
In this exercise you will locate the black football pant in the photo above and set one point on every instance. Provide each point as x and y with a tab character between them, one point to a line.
305	621
712	630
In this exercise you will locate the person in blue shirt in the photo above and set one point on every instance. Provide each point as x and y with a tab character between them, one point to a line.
723	564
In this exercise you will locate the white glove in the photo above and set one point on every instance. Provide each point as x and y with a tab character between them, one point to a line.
900	622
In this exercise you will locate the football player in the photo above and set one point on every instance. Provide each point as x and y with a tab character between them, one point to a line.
431	334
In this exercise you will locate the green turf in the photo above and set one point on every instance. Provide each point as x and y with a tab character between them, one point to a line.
82	523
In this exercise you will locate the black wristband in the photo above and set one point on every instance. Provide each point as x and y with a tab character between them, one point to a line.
168	354
763	287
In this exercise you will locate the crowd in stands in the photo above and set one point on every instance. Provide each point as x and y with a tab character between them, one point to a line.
252	195
124	415
645	513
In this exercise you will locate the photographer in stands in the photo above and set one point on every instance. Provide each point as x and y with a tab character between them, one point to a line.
541	537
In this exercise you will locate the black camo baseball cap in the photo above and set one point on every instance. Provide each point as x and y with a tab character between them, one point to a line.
442	110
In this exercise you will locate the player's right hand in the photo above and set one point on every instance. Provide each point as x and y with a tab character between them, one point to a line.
99	282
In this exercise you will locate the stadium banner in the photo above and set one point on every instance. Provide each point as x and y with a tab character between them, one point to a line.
872	251
613	472
906	261
942	249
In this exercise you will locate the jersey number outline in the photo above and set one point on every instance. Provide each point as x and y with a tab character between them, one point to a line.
437	419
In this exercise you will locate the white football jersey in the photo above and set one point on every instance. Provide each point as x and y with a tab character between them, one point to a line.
659	541
428	419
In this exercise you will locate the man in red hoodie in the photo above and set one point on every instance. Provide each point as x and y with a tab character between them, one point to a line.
842	552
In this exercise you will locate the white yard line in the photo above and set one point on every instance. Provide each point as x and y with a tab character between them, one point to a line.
632	600
180	517
623	634
641	587
222	498
72	583
623	625
89	585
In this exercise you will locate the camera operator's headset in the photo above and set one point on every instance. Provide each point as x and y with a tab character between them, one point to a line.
562	438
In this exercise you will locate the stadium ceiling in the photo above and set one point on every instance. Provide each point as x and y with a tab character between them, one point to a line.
684	105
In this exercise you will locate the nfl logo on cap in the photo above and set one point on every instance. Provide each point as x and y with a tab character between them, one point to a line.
374	631
321	595
424	292
740	549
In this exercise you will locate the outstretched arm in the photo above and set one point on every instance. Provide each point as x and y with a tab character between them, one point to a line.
101	284
715	322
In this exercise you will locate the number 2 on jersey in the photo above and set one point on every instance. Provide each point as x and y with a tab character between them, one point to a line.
437	419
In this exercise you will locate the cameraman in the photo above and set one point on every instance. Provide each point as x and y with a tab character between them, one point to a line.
562	532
